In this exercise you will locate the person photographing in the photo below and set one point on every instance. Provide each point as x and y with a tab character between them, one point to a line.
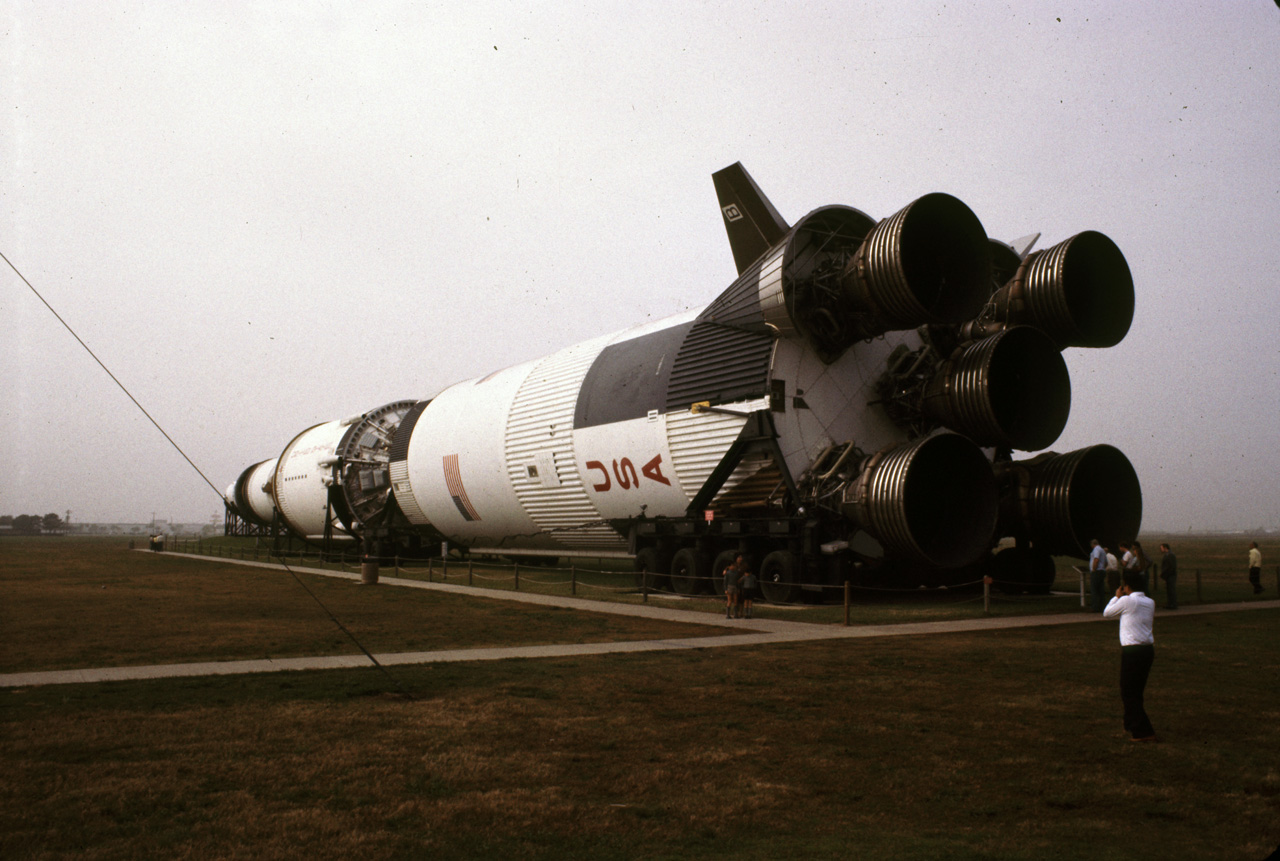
1137	615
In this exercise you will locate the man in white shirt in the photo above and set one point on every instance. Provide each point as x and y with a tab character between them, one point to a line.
1113	571
1137	615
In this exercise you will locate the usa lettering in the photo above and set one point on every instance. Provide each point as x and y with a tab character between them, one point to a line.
621	473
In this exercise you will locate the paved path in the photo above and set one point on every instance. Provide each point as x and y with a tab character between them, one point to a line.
736	632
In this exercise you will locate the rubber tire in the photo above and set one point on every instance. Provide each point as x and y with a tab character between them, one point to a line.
778	578
650	571
688	572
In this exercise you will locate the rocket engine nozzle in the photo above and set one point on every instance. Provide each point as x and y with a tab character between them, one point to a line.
931	502
928	263
840	277
1062	501
1009	390
1080	292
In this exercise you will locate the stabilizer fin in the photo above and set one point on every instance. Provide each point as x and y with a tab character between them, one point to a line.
752	223
1022	247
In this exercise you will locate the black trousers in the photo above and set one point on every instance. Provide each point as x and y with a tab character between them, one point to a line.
1135	666
1098	590
1255	579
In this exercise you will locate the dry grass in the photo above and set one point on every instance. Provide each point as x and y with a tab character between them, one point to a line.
91	603
956	746
998	745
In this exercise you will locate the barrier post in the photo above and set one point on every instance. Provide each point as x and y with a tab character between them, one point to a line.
986	595
1080	571
369	570
516	566
573	578
846	603
1199	597
469	572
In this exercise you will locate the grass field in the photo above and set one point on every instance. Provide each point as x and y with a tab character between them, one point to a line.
92	603
996	745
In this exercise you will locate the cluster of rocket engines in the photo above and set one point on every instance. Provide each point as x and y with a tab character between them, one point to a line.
849	406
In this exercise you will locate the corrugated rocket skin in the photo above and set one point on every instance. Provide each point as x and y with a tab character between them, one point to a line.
539	452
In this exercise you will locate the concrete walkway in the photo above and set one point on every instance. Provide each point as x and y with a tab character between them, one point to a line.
737	632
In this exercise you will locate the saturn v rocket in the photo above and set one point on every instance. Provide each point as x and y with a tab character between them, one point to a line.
851	408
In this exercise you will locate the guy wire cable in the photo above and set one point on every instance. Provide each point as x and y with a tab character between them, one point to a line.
294	574
109	374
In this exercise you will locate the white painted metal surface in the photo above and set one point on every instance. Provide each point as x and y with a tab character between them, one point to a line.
837	399
456	465
301	484
258	490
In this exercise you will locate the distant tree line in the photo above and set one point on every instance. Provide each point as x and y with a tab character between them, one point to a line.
33	524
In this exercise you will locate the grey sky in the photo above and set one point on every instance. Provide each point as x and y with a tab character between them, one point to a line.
264	216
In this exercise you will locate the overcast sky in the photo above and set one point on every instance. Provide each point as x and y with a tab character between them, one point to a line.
265	216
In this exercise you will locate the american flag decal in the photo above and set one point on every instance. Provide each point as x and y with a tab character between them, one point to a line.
453	480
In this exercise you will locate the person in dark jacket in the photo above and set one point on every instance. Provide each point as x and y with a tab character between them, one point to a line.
732	590
748	583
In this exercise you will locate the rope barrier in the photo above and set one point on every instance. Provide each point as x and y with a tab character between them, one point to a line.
491	573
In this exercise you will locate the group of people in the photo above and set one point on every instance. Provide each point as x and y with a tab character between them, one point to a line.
1136	612
1105	571
1128	575
739	589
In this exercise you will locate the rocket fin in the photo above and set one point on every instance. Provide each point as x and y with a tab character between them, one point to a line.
1022	247
752	223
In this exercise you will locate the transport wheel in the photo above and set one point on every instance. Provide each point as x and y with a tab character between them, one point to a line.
650	571
723	561
778	578
688	572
